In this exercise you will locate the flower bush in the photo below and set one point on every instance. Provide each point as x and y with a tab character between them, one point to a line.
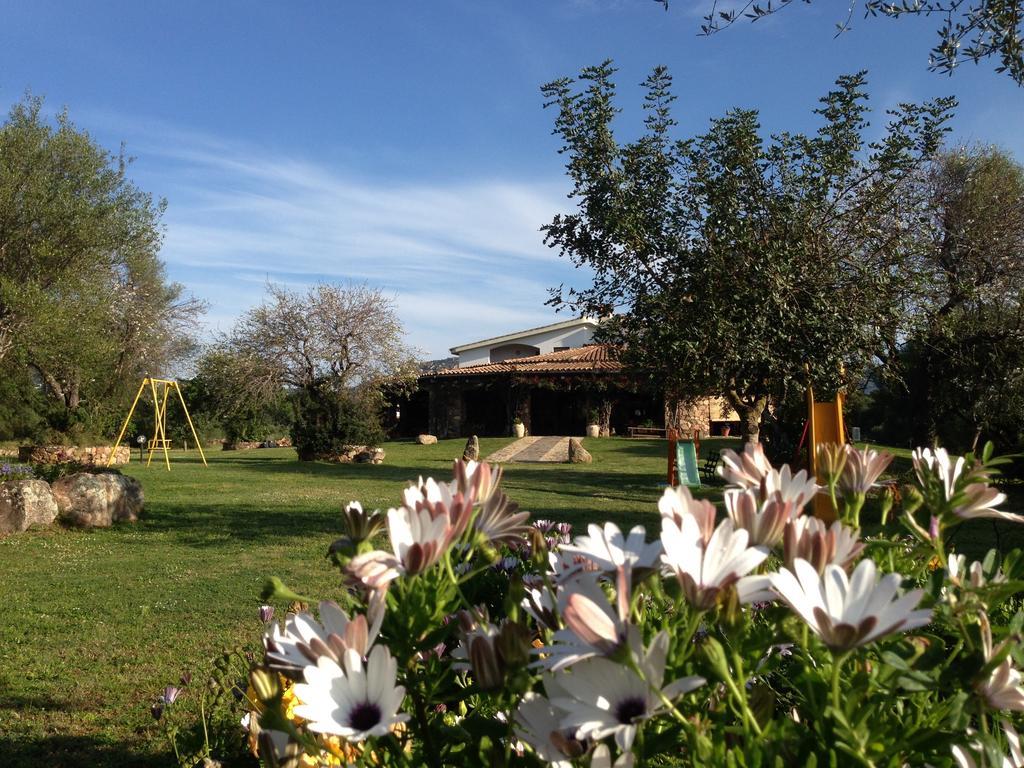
10	472
765	638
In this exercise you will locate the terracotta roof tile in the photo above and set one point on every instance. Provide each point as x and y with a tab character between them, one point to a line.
593	357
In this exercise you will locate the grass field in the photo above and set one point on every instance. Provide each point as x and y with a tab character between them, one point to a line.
95	623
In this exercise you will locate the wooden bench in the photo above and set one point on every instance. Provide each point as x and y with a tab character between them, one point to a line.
637	432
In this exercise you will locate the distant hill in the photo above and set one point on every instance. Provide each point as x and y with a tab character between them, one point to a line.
432	366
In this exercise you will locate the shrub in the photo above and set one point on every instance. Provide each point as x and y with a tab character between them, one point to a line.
326	421
770	637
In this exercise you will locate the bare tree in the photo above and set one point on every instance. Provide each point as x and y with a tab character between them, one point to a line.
329	345
343	335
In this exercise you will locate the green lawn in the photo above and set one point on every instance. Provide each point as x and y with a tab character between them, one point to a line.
95	623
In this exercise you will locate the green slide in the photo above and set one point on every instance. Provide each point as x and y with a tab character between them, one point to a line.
686	464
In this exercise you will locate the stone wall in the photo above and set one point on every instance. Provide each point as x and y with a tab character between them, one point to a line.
248	445
58	454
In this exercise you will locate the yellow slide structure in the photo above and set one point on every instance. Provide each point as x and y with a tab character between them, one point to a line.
824	425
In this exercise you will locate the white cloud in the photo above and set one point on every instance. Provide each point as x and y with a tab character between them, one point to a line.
464	258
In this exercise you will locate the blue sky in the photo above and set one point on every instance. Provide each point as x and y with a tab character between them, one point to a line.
404	143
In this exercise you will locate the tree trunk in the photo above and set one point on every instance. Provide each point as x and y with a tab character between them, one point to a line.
675	412
605	423
72	396
750	415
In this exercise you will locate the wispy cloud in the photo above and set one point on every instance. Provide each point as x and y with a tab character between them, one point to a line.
464	258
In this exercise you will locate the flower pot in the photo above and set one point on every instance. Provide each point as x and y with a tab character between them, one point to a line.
593	430
726	430
519	430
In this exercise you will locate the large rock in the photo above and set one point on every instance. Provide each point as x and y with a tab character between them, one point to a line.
472	452
97	501
24	503
360	454
426	439
61	454
577	453
369	456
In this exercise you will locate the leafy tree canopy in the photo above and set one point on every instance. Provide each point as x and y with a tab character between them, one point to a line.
84	299
740	264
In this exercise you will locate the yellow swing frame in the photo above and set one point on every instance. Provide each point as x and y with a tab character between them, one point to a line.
161	391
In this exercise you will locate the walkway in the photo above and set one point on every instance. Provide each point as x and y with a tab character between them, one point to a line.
549	449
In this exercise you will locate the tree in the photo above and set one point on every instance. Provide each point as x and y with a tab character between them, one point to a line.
66	209
741	266
330	346
84	299
971	30
970	326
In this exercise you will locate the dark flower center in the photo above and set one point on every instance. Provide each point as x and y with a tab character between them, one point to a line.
364	716
629	709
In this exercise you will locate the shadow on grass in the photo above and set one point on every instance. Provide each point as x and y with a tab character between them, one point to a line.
77	752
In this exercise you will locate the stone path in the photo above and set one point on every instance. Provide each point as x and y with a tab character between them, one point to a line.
553	449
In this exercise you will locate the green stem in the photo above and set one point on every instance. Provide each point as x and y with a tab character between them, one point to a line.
691	630
741	688
428	741
837	664
202	716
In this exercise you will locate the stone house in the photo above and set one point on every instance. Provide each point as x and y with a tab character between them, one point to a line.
552	378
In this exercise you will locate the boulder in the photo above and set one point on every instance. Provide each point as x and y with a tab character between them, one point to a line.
472	452
97	501
360	454
426	439
24	503
369	456
577	453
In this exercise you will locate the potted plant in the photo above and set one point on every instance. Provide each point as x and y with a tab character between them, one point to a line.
518	428
593	423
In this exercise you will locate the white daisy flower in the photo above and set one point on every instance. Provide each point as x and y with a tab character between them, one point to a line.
847	612
304	639
352	702
612	553
539	724
862	469
592	626
764	522
809	538
604	699
704	571
746	469
678	501
968	493
1003	688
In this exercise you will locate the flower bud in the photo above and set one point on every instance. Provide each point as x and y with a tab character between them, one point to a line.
485	664
513	645
265	683
266	613
715	654
912	499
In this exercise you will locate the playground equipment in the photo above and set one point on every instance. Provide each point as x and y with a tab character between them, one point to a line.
824	425
682	460
161	392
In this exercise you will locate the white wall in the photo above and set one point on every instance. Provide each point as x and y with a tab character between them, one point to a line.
545	341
